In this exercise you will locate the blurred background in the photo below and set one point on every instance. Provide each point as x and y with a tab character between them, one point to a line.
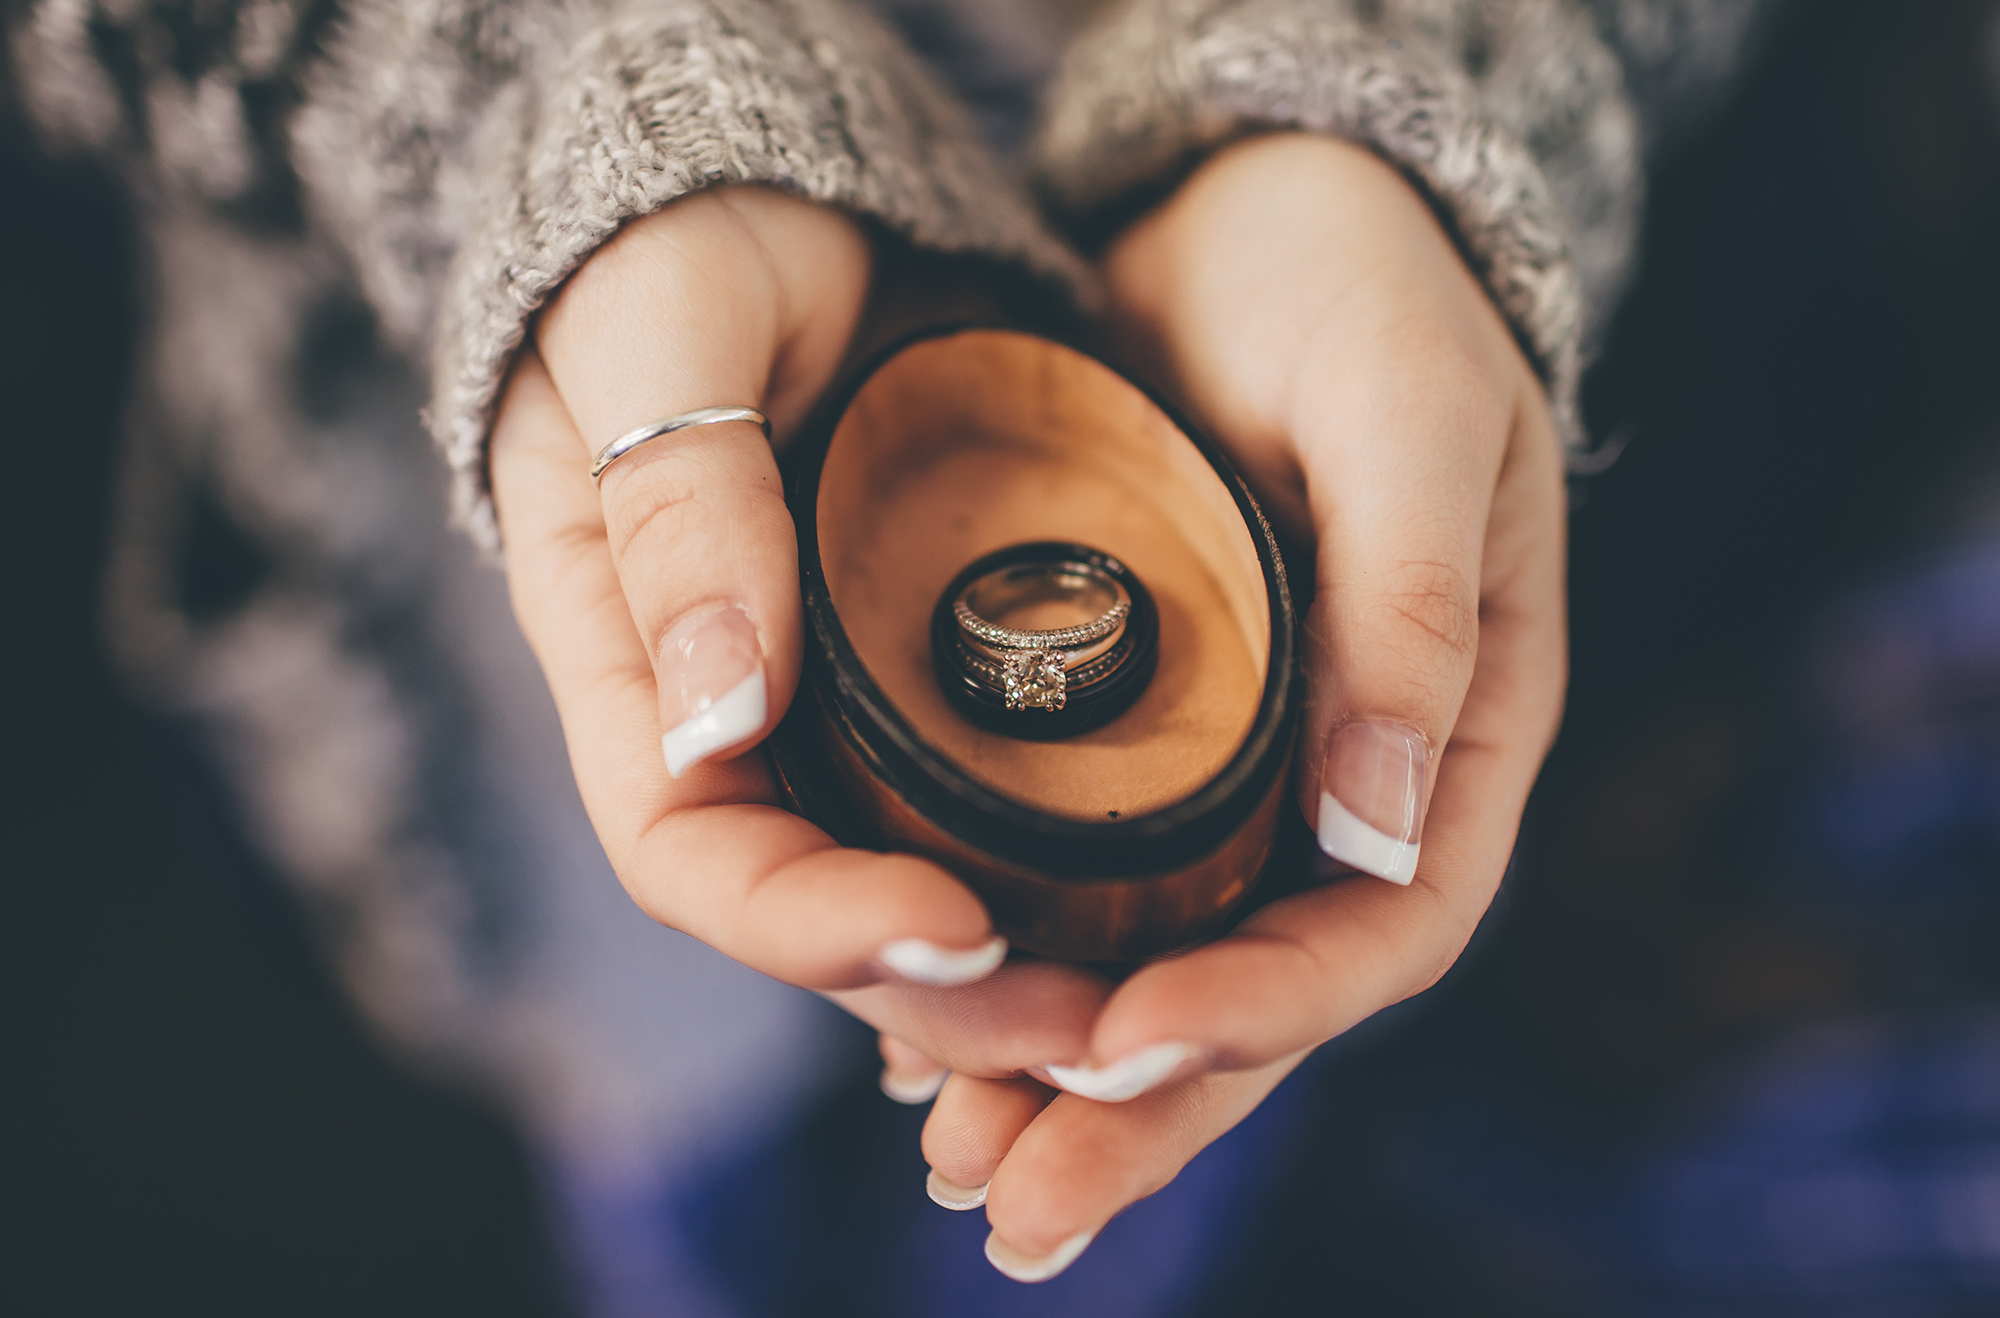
1728	1044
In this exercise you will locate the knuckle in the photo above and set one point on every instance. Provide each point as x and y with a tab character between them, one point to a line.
1435	599
655	508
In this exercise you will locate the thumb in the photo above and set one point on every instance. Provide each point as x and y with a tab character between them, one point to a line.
1396	618
731	298
705	553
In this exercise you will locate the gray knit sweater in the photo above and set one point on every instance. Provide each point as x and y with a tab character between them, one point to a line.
460	157
354	206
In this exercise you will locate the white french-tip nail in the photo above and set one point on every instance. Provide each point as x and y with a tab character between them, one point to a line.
736	714
1351	841
924	962
1372	796
1013	1263
1126	1078
913	1090
950	1194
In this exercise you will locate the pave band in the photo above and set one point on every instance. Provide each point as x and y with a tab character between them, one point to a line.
1059	638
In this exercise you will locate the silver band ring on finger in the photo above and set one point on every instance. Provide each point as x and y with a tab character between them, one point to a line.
702	416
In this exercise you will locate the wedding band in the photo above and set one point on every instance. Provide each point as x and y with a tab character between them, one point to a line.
1072	578
704	416
1051	682
1035	668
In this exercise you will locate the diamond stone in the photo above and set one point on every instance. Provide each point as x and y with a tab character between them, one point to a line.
1034	680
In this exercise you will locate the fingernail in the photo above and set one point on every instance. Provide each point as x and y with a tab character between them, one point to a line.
925	962
1025	1267
711	676
950	1194
1371	800
913	1089
1126	1078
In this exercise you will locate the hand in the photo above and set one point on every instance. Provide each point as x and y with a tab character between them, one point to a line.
664	610
1310	311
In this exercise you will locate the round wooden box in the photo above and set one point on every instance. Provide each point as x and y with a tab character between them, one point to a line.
1116	844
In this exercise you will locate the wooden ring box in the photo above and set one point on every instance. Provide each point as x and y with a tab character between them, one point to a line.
1127	840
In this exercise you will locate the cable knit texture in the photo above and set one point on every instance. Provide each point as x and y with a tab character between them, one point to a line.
1509	113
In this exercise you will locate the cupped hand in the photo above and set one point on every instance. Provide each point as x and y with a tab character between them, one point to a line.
1307	307
664	610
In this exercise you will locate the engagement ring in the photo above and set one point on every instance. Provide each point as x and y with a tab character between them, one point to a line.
1045	640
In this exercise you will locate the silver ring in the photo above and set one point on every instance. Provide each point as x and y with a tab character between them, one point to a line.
1053	682
1011	587
1073	656
704	416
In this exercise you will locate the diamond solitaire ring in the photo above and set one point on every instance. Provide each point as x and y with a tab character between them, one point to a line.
1044	640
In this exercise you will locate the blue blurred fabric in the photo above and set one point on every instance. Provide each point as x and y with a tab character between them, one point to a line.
1850	1166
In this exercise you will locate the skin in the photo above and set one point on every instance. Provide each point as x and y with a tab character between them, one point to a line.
1308	309
753	296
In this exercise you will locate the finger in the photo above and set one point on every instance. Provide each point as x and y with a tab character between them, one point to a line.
971	1127
907	1075
711	854
1401	439
1401	490
1375	397
729	298
1306	968
1079	1163
1019	1017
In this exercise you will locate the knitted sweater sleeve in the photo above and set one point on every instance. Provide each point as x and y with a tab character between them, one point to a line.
466	155
1518	119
